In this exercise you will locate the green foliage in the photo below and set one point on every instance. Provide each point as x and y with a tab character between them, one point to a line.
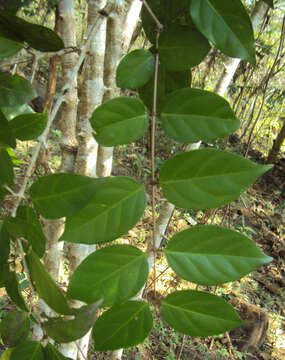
28	126
27	225
37	36
119	121
46	286
115	273
199	313
223	254
64	331
207	178
101	210
14	292
70	193
14	328
135	69
182	47
186	118
116	207
15	90
227	25
122	326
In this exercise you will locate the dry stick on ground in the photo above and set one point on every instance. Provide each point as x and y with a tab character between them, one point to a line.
270	73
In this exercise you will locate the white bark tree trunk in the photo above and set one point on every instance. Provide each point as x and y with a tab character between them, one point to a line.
232	64
112	58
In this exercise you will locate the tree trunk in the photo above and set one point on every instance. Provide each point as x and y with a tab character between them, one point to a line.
232	64
275	150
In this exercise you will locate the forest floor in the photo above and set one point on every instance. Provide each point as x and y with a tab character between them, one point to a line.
258	297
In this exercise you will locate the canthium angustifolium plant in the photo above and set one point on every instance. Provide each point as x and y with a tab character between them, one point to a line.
100	210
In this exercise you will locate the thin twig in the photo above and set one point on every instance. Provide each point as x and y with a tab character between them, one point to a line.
153	128
155	19
181	349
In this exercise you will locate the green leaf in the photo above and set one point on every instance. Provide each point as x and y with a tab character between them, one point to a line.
135	69
51	353
207	178
115	273
14	292
227	25
28	350
6	135
167	82
116	207
4	270
14	328
167	11
59	195
182	47
46	286
6	168
119	121
4	244
212	255
6	355
8	47
269	3
197	313
122	326
13	111
39	37
15	90
191	115
64	331
28	126
27	225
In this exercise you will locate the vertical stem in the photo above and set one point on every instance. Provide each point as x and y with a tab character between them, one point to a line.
153	177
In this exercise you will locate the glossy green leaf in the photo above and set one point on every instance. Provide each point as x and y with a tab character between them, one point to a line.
119	121
6	168
191	115
167	82
227	25
15	90
4	244
9	47
28	350
59	195
27	225
51	353
182	47
46	286
14	292
199	313
167	12
6	135
116	207
64	331
135	69
39	37
28	126
122	326
207	178
212	255
115	273
12	111
14	328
